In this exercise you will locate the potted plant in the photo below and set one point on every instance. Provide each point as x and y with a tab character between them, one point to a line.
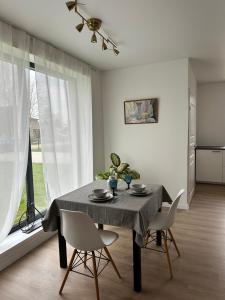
118	170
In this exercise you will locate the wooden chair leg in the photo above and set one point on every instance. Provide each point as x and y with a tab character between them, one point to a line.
114	265
146	239
95	275
85	259
68	270
167	253
173	240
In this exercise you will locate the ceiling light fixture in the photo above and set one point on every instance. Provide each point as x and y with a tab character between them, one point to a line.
94	38
104	46
93	24
116	51
71	5
80	26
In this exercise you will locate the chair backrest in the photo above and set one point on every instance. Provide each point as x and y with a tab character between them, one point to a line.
173	208
80	231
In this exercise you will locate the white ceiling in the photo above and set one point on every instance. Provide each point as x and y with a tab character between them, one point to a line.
147	31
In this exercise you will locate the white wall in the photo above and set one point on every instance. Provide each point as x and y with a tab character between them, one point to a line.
211	114
157	151
192	81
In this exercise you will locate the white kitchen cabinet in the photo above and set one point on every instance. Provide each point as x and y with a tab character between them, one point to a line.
210	165
223	166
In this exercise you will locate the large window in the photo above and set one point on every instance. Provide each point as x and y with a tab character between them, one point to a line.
34	194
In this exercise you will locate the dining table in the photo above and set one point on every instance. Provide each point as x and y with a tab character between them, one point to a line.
123	210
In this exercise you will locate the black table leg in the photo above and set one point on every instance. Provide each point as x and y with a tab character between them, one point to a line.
158	238
159	235
100	226
62	247
136	265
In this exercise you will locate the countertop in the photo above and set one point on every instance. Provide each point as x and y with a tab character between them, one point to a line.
210	147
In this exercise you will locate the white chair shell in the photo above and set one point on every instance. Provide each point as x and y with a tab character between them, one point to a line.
80	231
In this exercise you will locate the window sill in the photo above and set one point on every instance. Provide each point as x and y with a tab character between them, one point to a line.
17	244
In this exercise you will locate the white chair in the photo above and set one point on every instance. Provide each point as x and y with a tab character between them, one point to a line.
162	222
81	233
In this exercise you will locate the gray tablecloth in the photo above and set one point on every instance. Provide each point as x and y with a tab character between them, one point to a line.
126	211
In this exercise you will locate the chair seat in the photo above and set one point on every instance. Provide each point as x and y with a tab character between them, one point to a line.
159	222
108	237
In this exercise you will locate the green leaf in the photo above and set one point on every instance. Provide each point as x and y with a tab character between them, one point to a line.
115	159
122	167
112	170
102	175
133	173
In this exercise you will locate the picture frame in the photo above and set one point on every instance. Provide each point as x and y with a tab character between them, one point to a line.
141	111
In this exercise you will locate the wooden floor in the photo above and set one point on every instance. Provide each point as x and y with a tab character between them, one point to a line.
198	274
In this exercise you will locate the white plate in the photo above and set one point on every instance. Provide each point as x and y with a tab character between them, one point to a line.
93	198
96	197
145	193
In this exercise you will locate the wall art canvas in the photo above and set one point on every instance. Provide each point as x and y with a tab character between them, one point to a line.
141	111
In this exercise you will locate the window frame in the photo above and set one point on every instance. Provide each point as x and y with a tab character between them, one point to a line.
29	185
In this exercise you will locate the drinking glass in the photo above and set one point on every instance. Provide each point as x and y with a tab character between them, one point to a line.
128	179
113	185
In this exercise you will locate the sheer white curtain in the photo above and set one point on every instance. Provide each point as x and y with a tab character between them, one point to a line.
65	116
14	121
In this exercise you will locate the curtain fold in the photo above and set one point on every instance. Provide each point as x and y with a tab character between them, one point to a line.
65	116
14	121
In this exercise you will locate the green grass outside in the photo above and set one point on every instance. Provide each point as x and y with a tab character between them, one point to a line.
39	192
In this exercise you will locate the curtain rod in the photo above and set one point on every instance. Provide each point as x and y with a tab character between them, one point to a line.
32	37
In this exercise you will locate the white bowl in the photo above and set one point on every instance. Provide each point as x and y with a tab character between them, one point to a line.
139	188
100	193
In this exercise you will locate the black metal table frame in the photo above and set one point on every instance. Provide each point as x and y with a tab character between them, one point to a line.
137	282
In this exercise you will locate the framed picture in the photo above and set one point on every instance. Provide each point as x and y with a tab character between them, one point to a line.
141	111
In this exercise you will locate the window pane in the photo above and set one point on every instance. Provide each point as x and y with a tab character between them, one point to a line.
38	179
40	200
23	206
37	162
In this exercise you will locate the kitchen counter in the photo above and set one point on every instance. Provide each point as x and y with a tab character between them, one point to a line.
210	164
210	147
